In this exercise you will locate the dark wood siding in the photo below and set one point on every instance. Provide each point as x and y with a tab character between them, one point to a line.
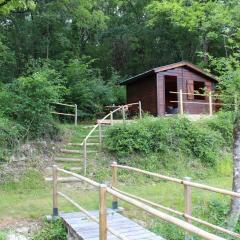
183	76
144	90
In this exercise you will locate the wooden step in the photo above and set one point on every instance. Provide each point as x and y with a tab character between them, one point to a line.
75	144
80	144
63	159
95	136
70	151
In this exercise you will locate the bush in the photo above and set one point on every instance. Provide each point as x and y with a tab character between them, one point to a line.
88	90
10	135
28	102
52	231
163	135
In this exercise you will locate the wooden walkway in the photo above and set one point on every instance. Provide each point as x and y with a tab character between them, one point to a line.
81	228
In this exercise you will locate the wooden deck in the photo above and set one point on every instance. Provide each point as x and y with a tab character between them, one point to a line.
81	228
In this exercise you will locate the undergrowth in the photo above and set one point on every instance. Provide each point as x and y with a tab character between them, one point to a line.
205	140
54	230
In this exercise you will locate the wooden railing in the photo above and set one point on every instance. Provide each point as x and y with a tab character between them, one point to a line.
210	102
102	220
75	115
98	126
188	185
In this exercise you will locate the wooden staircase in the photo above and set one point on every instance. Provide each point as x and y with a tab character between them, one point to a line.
88	146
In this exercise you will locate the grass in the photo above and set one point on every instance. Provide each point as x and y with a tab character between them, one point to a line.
3	235
31	197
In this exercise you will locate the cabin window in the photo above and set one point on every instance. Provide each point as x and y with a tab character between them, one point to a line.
199	88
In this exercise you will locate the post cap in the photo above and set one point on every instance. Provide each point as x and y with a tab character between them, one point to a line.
114	163
187	179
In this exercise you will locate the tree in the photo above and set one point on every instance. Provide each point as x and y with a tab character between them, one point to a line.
229	69
7	6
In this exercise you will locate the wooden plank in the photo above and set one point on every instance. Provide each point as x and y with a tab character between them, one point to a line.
86	229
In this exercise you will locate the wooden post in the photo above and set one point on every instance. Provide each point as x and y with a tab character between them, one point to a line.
111	117
114	184
181	101
102	212
140	109
85	156
55	190
123	114
210	104
187	203
76	115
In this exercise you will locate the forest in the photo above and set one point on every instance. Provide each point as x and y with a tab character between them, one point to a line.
78	51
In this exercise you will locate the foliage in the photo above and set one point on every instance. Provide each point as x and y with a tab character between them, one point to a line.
88	90
6	6
3	235
52	231
28	100
10	135
167	135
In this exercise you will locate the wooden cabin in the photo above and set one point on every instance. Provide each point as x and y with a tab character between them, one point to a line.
159	89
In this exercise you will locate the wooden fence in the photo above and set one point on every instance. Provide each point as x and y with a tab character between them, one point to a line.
104	190
211	101
75	115
188	185
98	126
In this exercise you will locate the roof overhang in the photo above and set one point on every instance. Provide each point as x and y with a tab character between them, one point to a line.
168	67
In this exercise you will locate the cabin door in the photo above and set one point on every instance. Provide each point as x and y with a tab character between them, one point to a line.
171	105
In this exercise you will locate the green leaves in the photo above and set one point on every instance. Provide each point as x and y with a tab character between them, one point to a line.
28	101
165	135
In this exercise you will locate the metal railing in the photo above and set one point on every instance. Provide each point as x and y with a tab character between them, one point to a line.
75	115
102	219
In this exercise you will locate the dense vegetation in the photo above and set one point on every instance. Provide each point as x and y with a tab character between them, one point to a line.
205	140
76	52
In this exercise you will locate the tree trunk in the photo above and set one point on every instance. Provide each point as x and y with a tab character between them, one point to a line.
234	212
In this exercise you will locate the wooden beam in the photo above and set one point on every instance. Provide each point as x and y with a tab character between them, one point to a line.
102	212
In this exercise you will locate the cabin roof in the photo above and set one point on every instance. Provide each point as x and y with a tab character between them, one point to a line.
168	67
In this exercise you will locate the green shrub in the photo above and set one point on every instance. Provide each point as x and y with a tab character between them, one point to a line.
162	135
223	123
52	231
28	102
10	135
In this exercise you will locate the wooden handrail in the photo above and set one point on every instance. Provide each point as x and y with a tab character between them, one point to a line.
223	230
98	125
64	104
91	182
66	114
195	94
115	233
182	224
103	224
75	115
187	196
148	173
179	181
